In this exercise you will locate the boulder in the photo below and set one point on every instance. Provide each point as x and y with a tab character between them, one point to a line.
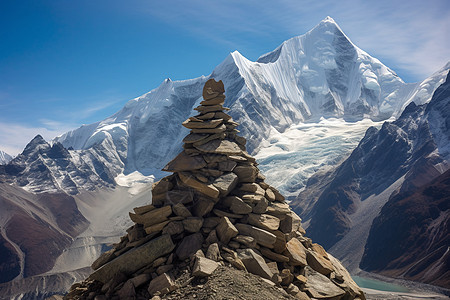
262	237
135	259
319	263
204	267
225	183
152	217
163	284
254	263
320	286
264	221
189	245
296	253
226	230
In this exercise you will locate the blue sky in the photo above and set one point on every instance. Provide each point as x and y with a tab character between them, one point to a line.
67	63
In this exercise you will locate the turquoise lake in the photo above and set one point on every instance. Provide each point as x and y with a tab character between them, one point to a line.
378	285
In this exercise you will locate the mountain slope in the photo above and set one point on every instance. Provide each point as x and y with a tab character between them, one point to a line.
4	157
399	158
422	237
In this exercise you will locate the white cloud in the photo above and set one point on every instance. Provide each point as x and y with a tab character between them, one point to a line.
14	137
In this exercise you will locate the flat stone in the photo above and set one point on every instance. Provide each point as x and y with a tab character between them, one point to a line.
220	147
301	278
246	173
204	267
202	206
320	286
211	158
237	158
221	213
207	116
195	137
296	253
253	188
226	230
240	207
253	198
254	263
219	100
218	129
135	259
261	206
155	216
211	137
143	209
202	124
181	210
189	245
222	115
264	221
173	228
319	263
206	189
262	237
273	256
156	227
164	284
210	108
184	162
279	210
240	140
227	166
225	183
192	224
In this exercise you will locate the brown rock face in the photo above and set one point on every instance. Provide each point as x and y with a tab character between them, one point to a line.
215	202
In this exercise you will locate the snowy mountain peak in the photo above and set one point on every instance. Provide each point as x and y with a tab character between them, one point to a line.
4	157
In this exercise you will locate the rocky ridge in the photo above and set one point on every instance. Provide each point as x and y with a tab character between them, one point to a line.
214	209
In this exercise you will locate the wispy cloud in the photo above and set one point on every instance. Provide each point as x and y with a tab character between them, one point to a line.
14	137
410	35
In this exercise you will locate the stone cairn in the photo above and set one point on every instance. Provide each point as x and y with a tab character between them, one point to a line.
215	209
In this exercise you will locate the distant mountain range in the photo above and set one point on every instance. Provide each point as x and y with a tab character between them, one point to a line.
106	167
396	177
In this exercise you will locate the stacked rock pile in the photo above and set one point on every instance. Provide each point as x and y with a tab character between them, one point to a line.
215	208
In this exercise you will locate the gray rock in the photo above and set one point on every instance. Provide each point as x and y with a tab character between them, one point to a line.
135	259
320	286
226	230
204	267
163	284
226	183
213	252
254	263
189	245
262	237
192	224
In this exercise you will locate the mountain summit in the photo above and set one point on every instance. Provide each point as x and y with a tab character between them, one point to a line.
319	74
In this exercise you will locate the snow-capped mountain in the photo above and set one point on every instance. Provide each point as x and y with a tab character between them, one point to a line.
4	157
319	74
42	167
389	164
